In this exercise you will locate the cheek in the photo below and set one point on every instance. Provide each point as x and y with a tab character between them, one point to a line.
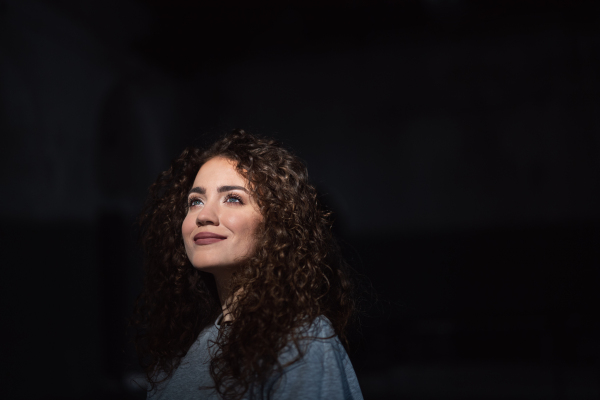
187	226
244	226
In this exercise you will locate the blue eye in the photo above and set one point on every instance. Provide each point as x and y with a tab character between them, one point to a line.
195	202
234	199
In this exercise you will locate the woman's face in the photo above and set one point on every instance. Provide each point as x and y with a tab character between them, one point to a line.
220	226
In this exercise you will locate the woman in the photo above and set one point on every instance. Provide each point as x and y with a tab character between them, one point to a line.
245	296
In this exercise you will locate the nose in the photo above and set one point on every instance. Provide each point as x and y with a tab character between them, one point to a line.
207	216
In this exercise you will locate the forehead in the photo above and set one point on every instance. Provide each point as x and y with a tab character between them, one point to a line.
220	171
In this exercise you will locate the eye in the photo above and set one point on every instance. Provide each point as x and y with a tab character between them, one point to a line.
233	199
194	201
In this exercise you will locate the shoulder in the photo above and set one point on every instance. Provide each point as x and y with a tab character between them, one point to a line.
320	344
318	368
319	328
311	339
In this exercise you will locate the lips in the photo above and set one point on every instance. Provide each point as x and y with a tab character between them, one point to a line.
204	238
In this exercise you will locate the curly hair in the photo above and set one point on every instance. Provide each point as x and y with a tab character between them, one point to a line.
294	275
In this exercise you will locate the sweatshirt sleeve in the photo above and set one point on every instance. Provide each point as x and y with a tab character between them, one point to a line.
324	373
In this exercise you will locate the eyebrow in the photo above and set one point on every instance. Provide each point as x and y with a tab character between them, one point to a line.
220	189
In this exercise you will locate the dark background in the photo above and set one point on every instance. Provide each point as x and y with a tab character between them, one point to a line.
457	141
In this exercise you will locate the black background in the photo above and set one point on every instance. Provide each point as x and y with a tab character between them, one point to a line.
456	141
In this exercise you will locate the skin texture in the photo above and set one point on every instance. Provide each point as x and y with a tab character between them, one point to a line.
232	214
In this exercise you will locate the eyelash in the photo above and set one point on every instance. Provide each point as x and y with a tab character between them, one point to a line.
234	196
192	200
229	196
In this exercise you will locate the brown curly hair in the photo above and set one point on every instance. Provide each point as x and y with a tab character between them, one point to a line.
295	274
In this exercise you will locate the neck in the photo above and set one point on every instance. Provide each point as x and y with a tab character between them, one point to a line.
222	279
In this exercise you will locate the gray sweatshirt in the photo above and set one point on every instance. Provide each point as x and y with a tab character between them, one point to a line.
324	373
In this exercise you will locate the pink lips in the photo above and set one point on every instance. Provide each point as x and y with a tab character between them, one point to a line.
204	238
